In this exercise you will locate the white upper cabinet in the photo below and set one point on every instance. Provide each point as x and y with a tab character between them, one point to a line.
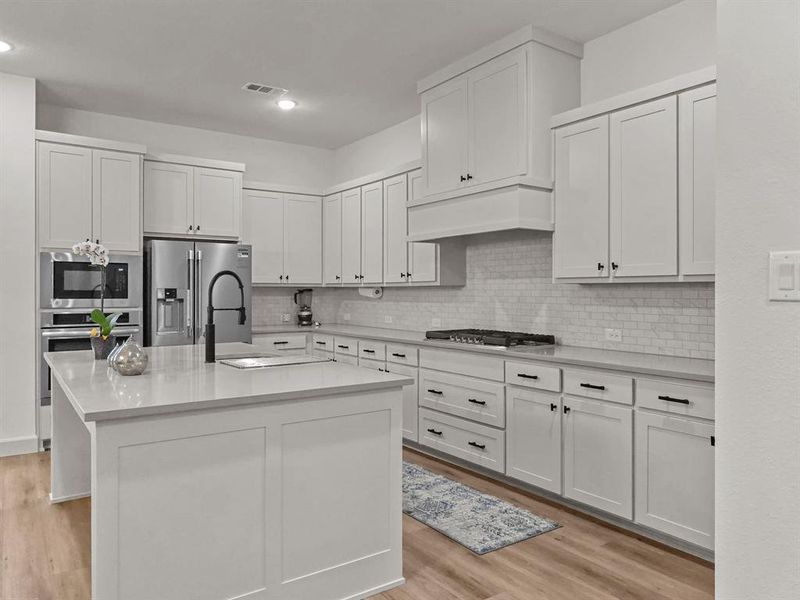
445	136
697	121
372	233
395	227
422	256
498	123
285	232
262	228
332	239
217	202
185	199
168	198
351	236
88	193
643	187
581	199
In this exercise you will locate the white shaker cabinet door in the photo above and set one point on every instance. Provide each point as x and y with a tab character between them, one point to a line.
332	238
644	189
303	239
351	236
675	477
217	202
422	256
372	233
262	228
117	202
498	119
598	459
64	189
168	198
445	136
533	437
395	229
410	407
697	116
581	199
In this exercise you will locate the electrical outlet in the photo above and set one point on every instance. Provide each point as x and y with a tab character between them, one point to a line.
387	318
614	335
346	316
286	318
436	322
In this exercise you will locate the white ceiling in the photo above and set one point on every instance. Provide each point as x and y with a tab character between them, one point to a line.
352	65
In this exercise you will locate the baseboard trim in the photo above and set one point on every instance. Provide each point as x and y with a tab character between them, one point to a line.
376	590
60	499
20	445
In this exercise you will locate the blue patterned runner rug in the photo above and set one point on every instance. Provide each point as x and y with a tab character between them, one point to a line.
478	521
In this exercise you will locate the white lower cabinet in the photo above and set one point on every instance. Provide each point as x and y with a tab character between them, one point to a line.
479	444
533	437
675	477
598	455
410	407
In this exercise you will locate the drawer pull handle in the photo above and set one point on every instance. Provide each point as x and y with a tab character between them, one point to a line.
382	370
434	432
280	343
677	400
526	376
477	445
343	347
368	351
398	355
321	343
437	392
474	401
553	407
592	386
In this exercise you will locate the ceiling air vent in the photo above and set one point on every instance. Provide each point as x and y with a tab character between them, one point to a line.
270	91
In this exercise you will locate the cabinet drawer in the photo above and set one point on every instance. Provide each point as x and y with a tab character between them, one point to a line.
472	442
402	354
343	345
372	350
474	399
322	342
691	400
533	376
599	385
376	365
290	341
463	362
347	359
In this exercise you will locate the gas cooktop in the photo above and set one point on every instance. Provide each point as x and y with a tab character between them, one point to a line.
491	337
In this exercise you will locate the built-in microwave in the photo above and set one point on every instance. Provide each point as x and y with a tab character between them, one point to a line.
69	281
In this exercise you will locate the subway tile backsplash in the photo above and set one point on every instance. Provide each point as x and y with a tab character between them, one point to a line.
509	286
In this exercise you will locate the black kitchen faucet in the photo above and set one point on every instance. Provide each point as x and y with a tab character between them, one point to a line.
211	352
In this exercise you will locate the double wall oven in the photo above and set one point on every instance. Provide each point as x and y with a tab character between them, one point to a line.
69	289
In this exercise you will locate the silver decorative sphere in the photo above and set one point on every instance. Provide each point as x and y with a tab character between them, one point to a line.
131	359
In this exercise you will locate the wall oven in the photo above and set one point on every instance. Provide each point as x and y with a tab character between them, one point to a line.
70	281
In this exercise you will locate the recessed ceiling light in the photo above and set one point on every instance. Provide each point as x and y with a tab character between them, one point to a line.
5	46
286	104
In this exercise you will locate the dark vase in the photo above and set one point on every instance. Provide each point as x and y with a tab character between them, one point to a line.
102	347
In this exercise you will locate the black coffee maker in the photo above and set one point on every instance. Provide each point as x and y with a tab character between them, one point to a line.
302	298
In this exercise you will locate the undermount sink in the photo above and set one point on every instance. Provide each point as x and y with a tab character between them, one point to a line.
262	361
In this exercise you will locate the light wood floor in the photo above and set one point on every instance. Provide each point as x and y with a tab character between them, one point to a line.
45	551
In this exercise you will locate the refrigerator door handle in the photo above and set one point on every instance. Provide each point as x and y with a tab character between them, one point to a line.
190	298
199	295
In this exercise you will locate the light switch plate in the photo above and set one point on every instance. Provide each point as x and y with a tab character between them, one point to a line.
784	276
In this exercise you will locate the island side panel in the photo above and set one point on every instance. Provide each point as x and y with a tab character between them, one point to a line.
70	450
258	502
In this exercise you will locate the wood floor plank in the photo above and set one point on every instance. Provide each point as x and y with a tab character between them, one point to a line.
45	551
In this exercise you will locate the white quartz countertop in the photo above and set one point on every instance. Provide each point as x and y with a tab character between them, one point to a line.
695	369
178	379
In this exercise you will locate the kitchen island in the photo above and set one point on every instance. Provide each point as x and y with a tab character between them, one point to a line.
211	482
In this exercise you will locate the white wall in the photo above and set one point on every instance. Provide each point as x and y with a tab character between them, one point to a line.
758	342
388	148
266	160
676	40
18	301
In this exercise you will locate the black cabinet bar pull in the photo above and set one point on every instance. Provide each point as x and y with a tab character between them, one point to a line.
600	266
526	376
437	392
368	351
474	401
671	399
553	407
321	343
477	445
434	432
614	266
280	343
713	440
469	176
566	409
463	178
591	386
343	347
398	355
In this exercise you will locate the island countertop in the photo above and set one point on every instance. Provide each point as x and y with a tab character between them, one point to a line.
178	379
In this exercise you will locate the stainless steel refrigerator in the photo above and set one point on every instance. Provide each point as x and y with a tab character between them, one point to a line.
177	274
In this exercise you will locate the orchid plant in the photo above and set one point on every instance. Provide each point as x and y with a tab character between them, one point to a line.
98	257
